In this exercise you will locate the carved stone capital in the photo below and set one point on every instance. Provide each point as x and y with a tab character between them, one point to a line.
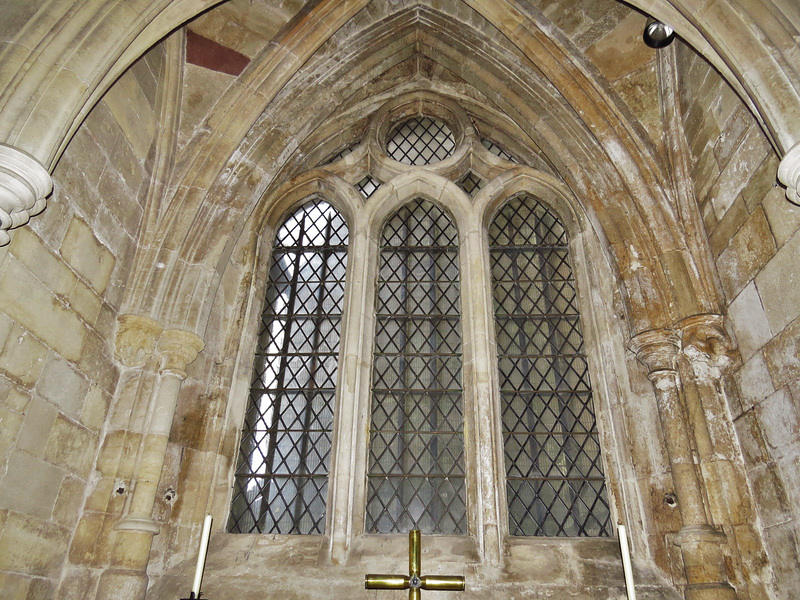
178	349
24	187
657	350
704	340
136	339
789	174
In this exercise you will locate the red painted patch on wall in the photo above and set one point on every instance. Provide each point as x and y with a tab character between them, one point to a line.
207	53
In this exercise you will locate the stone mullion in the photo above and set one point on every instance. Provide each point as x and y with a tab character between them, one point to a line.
127	574
348	460
477	317
699	542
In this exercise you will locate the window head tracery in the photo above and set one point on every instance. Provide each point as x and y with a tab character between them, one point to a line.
412	470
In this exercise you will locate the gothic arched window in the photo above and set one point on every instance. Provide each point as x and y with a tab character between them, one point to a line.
416	475
282	477
401	459
554	474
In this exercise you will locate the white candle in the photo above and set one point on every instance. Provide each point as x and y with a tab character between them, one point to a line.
626	562
201	558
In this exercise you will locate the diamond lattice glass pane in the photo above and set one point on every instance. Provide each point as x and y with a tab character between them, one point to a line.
416	451
554	470
497	150
471	183
281	480
430	504
420	141
368	186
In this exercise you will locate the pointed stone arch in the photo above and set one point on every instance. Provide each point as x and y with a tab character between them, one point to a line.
605	162
57	78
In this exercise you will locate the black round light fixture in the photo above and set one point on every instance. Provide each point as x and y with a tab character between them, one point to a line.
657	34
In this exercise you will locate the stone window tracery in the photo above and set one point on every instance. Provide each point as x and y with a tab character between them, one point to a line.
393	468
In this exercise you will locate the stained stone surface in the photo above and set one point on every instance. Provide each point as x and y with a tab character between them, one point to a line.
589	569
170	179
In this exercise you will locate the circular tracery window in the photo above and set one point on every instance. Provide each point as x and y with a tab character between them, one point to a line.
420	141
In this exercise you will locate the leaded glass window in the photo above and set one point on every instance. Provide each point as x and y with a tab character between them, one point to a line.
282	477
497	150
416	447
368	186
471	183
421	141
554	473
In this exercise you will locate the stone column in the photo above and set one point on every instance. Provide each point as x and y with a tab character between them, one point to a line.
126	578
699	542
24	186
706	349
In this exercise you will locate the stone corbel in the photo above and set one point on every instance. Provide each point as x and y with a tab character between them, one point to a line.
789	174
706	344
24	187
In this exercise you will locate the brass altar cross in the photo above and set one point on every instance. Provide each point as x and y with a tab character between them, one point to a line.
414	582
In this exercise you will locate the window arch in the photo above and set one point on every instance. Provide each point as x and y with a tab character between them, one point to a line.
554	475
282	475
416	475
411	451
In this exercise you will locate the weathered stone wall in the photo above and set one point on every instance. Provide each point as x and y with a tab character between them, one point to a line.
61	283
62	280
754	237
253	567
629	69
610	35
